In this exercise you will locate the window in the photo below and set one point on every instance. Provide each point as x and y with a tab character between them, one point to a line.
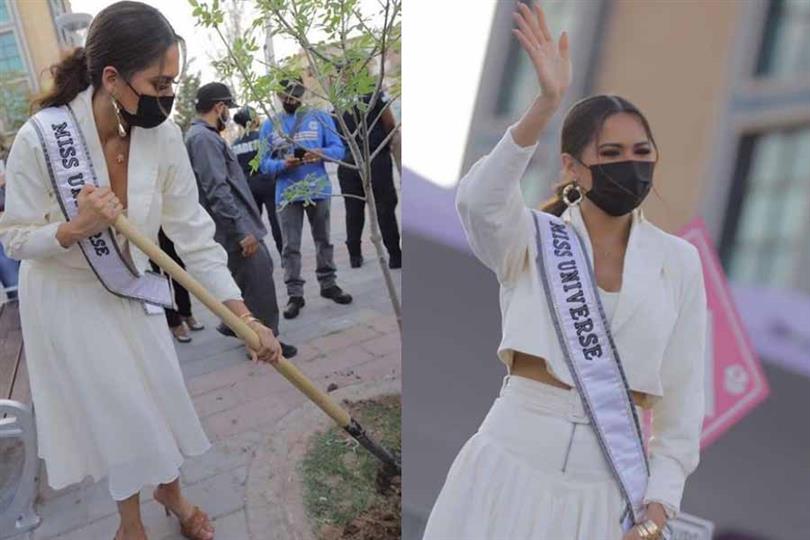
4	16
785	48
767	217
10	59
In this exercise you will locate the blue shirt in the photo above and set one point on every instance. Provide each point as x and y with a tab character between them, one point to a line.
313	129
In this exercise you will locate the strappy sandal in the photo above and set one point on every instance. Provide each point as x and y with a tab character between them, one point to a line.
177	332
194	526
193	324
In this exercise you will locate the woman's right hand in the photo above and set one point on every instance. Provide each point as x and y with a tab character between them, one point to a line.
98	209
552	61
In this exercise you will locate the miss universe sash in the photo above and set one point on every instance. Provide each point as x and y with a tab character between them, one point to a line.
591	355
69	168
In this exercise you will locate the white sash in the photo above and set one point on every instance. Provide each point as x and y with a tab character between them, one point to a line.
69	168
591	355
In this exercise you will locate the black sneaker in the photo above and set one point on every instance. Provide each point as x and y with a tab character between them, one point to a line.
287	350
225	330
395	261
336	293
356	261
294	305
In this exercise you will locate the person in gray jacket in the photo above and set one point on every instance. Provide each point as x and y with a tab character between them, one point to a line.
225	194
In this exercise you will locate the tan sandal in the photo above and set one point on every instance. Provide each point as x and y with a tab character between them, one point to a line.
194	527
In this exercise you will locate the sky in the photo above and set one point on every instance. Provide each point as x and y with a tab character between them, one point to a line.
200	42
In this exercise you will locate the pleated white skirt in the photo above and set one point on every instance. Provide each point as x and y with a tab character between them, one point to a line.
109	397
532	471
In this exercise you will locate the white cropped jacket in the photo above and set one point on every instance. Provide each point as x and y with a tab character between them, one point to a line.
660	321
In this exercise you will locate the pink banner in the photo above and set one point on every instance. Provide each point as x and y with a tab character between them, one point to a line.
735	383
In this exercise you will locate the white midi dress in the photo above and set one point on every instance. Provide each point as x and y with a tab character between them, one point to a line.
108	393
109	396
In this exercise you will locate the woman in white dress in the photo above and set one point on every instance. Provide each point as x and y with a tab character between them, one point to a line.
535	469
109	396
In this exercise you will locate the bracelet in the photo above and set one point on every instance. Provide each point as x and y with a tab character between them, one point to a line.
249	318
649	530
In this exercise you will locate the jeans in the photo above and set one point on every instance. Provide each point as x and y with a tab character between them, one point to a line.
9	270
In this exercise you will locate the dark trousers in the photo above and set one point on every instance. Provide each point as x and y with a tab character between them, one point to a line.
181	296
254	276
385	196
292	224
263	189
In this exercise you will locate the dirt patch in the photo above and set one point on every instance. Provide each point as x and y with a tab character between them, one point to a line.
348	494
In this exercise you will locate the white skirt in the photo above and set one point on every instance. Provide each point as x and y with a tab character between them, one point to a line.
533	470
109	397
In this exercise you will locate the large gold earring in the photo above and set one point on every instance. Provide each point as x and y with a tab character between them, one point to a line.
122	132
568	190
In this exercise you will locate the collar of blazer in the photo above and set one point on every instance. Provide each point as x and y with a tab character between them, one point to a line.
142	167
643	262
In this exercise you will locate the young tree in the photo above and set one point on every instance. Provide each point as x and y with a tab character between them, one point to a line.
233	27
340	40
184	111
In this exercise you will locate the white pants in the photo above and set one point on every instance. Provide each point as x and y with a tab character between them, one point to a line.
533	470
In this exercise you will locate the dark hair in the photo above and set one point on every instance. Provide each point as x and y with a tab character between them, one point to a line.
244	116
582	124
126	35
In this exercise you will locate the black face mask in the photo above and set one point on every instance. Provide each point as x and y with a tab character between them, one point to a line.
621	186
291	106
152	110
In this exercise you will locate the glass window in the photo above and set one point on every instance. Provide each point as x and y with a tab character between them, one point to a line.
786	42
773	194
4	16
10	59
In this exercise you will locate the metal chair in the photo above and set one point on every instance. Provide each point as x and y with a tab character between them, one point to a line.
18	423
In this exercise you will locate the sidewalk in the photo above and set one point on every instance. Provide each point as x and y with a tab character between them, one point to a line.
242	405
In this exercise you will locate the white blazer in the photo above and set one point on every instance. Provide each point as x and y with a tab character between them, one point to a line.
659	324
161	191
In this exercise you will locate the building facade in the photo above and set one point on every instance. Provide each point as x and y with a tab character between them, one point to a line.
726	87
27	48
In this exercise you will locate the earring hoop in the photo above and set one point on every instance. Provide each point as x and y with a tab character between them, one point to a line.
122	132
566	194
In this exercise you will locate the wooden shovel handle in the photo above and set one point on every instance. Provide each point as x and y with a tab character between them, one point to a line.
240	328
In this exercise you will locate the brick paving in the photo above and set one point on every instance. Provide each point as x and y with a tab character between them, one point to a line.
242	404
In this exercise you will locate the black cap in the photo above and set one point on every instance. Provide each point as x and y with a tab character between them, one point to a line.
244	116
210	94
294	88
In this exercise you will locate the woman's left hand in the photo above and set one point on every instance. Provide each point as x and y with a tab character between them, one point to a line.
270	350
656	512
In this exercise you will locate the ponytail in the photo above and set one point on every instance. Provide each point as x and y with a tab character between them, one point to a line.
555	205
70	77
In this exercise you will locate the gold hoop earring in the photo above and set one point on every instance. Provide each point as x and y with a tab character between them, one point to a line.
566	194
122	132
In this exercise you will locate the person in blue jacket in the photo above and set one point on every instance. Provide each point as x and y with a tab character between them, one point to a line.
290	162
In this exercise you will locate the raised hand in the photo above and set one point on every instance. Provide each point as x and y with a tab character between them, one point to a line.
552	61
